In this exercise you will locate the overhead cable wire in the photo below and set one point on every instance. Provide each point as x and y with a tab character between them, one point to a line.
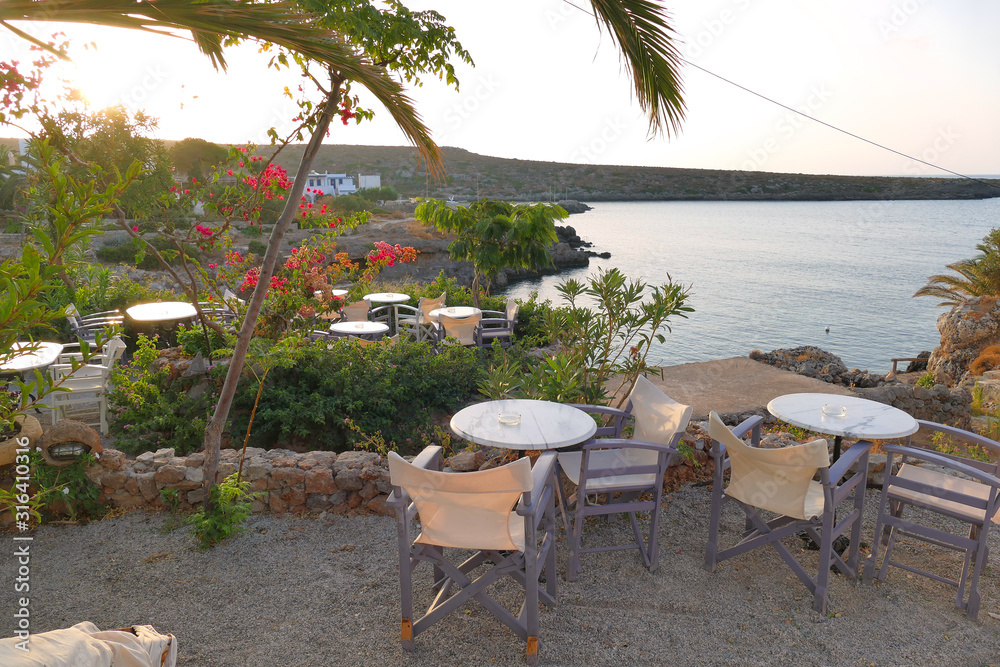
815	120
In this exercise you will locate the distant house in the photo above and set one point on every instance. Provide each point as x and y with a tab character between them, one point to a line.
335	185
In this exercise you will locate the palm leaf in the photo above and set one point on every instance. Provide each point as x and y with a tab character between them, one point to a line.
642	29
210	21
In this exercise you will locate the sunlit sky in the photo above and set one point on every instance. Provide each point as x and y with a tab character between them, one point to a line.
919	76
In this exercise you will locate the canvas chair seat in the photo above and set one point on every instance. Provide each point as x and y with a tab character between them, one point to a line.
570	462
941	480
84	645
915	496
624	471
780	482
473	511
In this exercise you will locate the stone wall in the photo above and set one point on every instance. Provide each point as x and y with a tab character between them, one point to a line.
351	482
966	330
347	483
940	404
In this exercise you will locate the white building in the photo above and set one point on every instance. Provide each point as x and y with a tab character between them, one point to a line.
330	184
339	184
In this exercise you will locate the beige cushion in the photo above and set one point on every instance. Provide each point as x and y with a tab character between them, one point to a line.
84	645
943	481
777	480
469	510
357	311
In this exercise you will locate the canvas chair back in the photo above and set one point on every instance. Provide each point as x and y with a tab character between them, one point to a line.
510	312
462	328
357	311
777	480
470	510
657	418
426	305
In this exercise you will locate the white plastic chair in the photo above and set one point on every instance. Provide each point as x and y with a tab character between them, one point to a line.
416	321
505	515
80	395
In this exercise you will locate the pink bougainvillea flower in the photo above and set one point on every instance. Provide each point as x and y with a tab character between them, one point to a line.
135	228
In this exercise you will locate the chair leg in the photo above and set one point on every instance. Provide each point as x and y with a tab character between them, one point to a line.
573	568
823	577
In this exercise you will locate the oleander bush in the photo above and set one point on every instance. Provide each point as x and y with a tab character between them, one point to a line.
400	391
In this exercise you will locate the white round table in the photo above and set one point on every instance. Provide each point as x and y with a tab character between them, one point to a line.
861	419
44	355
372	329
334	292
542	425
386	297
164	311
456	312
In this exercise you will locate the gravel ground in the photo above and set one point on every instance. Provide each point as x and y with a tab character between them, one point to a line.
324	591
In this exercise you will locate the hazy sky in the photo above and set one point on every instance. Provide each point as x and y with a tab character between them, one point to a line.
921	76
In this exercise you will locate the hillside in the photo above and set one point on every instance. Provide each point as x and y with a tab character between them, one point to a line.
469	174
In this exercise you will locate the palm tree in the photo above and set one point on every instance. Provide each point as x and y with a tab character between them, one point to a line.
640	28
976	277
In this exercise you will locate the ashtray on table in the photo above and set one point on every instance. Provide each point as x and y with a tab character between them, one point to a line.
834	410
509	418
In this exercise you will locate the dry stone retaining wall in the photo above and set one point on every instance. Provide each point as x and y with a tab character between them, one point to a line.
351	482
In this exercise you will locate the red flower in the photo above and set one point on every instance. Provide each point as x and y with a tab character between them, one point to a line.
135	228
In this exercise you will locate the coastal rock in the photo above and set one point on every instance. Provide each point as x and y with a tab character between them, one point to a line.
817	363
574	206
965	330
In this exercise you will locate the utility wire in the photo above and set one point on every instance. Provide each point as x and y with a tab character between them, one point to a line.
834	127
815	120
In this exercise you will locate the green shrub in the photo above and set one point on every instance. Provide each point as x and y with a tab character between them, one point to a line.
192	339
253	230
231	505
395	390
257	248
149	411
926	381
121	250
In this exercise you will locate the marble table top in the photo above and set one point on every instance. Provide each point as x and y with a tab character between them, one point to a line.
386	297
542	425
359	328
44	355
861	419
454	311
164	311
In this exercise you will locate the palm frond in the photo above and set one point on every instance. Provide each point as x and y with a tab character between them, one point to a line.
209	21
643	31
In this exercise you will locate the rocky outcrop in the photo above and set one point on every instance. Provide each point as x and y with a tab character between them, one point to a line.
965	330
940	404
574	206
817	363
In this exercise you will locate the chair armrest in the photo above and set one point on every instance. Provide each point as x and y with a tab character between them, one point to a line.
401	306
541	476
750	423
430	458
942	460
959	433
499	313
849	458
625	443
600	409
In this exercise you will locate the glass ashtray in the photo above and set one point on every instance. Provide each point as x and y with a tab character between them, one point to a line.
834	410
359	325
509	418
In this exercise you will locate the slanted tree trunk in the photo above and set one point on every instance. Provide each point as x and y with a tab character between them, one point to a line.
213	431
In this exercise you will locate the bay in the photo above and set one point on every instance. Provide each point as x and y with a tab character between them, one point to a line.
767	275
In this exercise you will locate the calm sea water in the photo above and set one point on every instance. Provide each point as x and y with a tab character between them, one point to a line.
768	275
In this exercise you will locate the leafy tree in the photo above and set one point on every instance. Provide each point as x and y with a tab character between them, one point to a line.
195	157
641	28
494	235
978	276
113	140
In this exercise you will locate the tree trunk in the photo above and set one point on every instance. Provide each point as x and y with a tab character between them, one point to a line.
213	430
